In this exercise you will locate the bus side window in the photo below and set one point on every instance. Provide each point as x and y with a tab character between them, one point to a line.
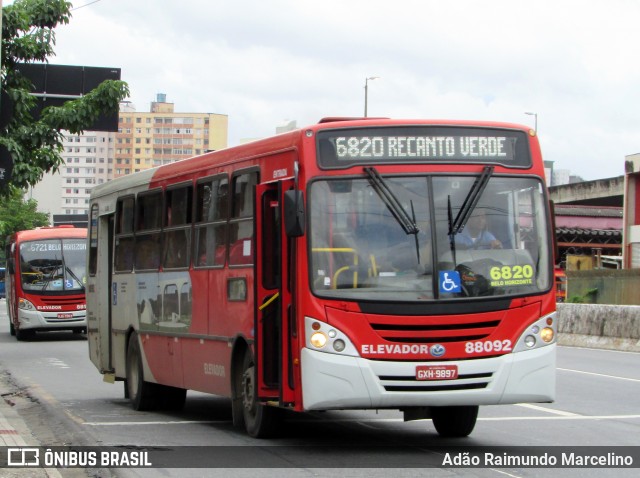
123	253
177	223
241	247
212	210
92	266
147	231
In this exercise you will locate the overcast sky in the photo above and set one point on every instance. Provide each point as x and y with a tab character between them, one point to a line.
261	62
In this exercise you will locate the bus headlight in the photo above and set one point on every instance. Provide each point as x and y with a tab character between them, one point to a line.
25	304
318	340
547	334
339	345
322	337
539	334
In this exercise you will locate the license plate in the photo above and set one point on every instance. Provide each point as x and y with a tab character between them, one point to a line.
436	372
65	316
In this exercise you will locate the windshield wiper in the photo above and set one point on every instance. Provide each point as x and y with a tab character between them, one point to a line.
392	202
473	196
470	202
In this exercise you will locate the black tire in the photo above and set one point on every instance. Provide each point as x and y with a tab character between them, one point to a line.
12	329
141	393
22	334
260	421
454	422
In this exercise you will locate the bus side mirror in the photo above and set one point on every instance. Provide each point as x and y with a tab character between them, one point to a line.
294	221
10	266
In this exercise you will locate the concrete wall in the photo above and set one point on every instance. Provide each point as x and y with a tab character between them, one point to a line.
599	192
615	327
610	286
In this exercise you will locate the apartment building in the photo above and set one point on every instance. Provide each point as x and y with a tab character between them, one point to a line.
162	136
87	161
144	140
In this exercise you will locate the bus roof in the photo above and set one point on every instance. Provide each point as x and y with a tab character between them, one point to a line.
288	141
51	232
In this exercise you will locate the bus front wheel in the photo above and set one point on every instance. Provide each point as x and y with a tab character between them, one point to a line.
454	422
141	393
22	334
260	421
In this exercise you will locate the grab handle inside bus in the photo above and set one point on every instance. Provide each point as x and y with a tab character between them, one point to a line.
294	216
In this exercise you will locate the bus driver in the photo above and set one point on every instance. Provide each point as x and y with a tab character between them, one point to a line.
476	235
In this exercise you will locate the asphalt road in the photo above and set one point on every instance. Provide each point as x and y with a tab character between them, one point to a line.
64	401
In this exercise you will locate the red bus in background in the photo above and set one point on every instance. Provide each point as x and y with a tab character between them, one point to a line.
351	264
561	284
45	280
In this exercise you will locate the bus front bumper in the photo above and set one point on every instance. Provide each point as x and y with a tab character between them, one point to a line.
331	381
36	320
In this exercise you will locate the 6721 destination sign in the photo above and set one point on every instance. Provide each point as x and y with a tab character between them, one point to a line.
424	144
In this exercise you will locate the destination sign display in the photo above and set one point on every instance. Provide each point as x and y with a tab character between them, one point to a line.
422	144
54	245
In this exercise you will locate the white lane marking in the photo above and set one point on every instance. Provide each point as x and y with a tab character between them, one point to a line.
547	410
567	347
172	422
600	375
556	417
505	473
56	362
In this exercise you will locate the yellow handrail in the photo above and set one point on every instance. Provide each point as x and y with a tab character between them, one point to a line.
342	269
271	299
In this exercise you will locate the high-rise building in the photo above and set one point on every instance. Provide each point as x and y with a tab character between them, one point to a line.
88	160
162	136
144	140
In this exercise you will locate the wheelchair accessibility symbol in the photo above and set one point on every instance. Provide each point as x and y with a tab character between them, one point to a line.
450	282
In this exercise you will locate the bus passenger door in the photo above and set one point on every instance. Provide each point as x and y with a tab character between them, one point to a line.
274	328
99	297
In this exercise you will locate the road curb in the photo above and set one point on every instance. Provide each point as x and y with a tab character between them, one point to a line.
15	433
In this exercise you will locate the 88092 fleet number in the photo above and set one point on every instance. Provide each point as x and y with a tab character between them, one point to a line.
488	346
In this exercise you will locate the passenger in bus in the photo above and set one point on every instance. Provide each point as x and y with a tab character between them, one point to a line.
476	234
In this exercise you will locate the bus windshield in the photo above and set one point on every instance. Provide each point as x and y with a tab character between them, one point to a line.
406	239
53	265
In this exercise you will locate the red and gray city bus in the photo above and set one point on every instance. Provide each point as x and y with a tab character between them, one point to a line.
45	280
325	269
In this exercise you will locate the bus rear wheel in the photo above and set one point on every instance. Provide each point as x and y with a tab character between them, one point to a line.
260	421
141	393
454	422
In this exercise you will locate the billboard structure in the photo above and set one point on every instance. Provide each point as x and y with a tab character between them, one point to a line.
53	86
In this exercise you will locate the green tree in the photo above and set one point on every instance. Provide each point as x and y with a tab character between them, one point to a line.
35	144
18	214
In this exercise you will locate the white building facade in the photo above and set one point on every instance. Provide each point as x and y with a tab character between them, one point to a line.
88	160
